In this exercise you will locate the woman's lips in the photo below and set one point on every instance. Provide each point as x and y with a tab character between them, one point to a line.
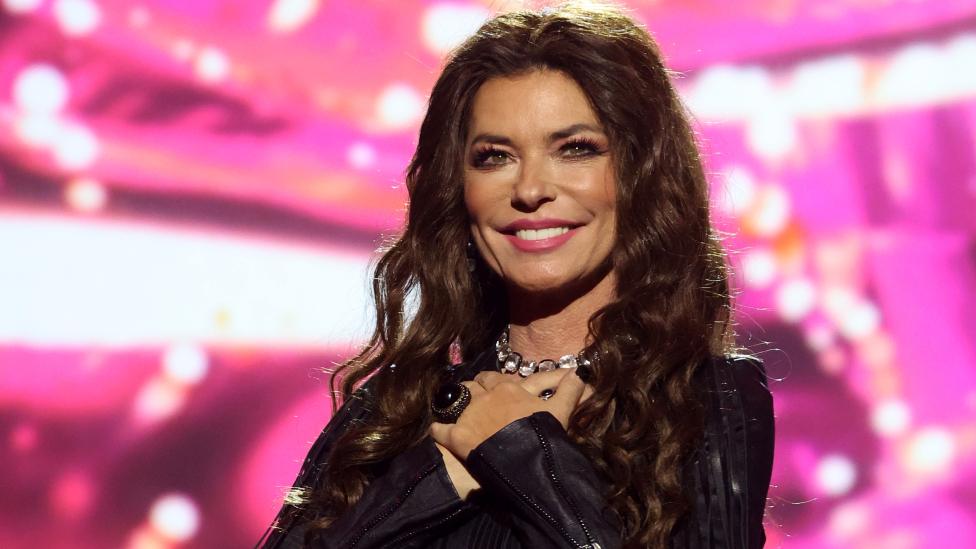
543	244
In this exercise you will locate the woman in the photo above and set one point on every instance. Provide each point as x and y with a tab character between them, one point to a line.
558	239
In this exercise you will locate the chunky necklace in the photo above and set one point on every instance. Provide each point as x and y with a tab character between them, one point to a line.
511	362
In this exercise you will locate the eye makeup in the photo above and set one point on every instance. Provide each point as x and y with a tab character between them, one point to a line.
575	148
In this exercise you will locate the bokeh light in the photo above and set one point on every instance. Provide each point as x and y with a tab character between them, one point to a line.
836	474
77	17
192	194
290	15
175	516
185	363
84	194
399	106
445	25
40	89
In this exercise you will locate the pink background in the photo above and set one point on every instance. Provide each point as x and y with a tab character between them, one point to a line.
190	194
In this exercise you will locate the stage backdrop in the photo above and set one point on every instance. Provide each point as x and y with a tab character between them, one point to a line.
191	194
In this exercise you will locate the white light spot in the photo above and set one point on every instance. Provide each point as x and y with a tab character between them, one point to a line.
157	400
819	336
829	86
445	26
290	15
848	520
21	6
726	93
37	130
77	17
759	268
75	147
838	301
916	75
795	299
771	133
212	65
960	52
860	321
740	190
890	418
930	451
399	106
361	155
835	474
771	212
175	516
85	195
185	363
40	89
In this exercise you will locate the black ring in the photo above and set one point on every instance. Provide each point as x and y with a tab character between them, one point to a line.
450	401
546	394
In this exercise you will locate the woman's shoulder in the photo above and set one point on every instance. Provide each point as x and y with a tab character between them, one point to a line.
736	381
731	470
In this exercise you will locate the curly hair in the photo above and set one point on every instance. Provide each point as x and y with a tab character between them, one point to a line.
670	312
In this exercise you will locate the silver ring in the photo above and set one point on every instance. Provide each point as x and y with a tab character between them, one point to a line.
546	394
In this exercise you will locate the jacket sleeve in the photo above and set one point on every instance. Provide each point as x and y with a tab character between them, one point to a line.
556	497
403	507
729	477
410	498
284	532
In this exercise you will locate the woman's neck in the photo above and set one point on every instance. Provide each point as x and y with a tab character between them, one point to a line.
553	325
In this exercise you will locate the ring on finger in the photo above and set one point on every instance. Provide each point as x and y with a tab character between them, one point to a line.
450	401
546	394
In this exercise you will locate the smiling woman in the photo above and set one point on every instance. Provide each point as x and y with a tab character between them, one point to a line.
558	237
539	186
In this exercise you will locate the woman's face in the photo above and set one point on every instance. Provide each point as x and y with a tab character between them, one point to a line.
539	183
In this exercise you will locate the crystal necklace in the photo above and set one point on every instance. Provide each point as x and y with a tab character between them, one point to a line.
511	362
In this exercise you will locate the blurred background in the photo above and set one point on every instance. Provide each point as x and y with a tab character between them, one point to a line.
191	193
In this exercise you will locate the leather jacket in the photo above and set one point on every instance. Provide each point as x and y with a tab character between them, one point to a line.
552	493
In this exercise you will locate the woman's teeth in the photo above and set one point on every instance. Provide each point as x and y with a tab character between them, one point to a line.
540	234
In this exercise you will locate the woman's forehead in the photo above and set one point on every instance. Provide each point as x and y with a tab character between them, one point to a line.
537	104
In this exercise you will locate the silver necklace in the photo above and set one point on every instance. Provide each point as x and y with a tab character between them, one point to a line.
511	362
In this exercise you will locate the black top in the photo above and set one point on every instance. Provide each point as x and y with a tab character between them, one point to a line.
538	490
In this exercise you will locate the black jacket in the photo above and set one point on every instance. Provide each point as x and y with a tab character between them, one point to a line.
553	496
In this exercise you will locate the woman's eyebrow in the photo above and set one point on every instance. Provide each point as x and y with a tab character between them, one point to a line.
573	129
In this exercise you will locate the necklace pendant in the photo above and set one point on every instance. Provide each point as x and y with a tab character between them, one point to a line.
567	361
546	366
512	363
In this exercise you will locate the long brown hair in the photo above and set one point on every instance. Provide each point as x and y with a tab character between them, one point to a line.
672	305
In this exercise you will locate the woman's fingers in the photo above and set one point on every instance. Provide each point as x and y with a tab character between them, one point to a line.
537	382
475	387
489	380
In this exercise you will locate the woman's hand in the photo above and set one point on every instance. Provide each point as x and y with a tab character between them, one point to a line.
498	399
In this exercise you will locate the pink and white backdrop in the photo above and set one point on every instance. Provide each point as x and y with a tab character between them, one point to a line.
191	192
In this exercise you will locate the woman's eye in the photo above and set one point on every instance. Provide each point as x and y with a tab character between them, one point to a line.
580	148
489	157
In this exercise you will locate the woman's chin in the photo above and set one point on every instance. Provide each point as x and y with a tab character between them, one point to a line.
547	285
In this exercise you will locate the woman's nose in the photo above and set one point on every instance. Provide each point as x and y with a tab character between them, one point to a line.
534	186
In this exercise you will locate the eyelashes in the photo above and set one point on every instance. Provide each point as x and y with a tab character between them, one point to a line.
489	156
